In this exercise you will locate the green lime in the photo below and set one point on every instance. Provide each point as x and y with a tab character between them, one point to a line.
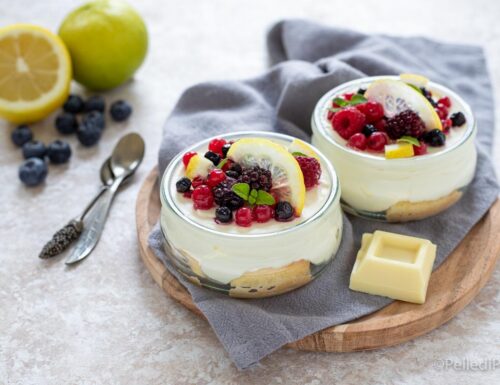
107	41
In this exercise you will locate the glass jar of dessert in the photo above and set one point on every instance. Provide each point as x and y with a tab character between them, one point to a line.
402	146
251	214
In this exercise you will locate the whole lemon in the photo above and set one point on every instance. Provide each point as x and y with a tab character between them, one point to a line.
107	41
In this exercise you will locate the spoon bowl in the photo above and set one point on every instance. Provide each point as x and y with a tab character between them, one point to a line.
127	155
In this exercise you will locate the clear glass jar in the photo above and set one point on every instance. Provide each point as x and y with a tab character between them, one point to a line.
402	189
262	260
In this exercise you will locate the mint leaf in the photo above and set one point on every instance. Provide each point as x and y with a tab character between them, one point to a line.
357	99
334	109
409	139
341	102
298	153
264	198
252	198
222	163
242	190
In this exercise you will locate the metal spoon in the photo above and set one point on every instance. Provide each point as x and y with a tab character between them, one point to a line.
125	159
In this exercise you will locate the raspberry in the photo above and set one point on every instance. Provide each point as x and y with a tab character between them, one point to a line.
446	123
330	115
442	111
262	213
243	217
445	101
377	141
348	96
216	145
348	122
373	111
215	177
257	177
405	123
420	150
311	169
380	125
203	198
357	141
187	157
198	181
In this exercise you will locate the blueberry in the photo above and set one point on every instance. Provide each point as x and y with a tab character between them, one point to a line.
223	214
368	130
59	152
236	168
183	185
66	123
213	157
232	174
88	135
120	111
94	103
225	149
361	91
457	119
33	171
74	104
94	118
22	134
435	138
34	149
283	211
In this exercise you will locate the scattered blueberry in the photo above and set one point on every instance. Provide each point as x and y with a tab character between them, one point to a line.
94	103
213	157
88	134
283	211
434	138
59	152
34	149
22	134
368	130
95	119
120	111
225	149
33	171
183	185
66	123
223	214
74	104
457	119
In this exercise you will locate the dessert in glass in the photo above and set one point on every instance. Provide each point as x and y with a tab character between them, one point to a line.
402	146
250	214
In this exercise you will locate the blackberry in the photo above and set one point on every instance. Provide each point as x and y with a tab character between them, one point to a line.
224	195
223	214
21	135
183	185
457	119
236	167
434	138
283	211
213	157
73	104
225	149
257	177
368	130
405	123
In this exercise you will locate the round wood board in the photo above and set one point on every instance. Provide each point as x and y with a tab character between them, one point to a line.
452	286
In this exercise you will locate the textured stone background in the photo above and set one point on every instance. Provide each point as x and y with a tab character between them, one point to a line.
106	322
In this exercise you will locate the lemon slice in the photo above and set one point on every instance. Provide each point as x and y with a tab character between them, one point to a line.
35	73
298	145
414	79
397	96
198	166
288	180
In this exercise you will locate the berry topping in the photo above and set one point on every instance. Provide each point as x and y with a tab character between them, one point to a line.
368	129
243	217
213	157
216	145
59	152
311	169
21	135
361	91
442	111
457	119
33	171
187	157
373	111
434	138
420	150
225	149
215	177
198	181
183	185
380	125
203	198
257	177
377	141
405	123
224	195
348	96
66	123
263	213
74	104
34	149
446	123
357	141
94	103
223	215
445	101
283	211
120	111
348	122
95	119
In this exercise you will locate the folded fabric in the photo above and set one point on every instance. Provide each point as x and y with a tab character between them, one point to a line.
309	60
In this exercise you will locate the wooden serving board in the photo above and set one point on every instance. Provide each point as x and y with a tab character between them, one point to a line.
452	286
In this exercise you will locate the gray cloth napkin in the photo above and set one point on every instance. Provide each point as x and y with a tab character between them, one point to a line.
309	60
